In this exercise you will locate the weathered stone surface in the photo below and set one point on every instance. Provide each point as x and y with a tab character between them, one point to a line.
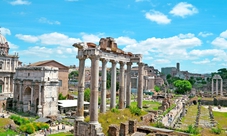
113	130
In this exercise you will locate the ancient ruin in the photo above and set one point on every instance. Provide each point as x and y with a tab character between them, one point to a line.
36	90
217	78
106	51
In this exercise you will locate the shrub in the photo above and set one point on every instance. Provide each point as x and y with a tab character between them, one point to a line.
135	110
159	125
192	130
216	130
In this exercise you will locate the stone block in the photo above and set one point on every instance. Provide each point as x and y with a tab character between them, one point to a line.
113	130
123	129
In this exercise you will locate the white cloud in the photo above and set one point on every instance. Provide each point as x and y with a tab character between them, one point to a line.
220	42
217	53
20	2
57	39
205	34
12	46
50	39
205	61
157	17
27	38
171	47
162	61
183	9
224	34
125	41
37	51
91	37
46	21
5	31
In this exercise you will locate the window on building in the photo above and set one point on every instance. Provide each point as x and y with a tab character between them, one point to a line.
60	82
28	74
0	66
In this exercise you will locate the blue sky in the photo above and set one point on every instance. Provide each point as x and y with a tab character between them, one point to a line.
191	32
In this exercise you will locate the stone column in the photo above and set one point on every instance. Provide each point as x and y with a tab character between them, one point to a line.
216	86
9	86
94	93
140	86
121	83
4	85
221	88
80	99
103	90
212	86
40	106
32	89
128	87
20	97
113	85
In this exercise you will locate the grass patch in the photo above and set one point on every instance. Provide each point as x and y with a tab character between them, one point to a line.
150	104
3	123
62	134
108	118
190	117
221	118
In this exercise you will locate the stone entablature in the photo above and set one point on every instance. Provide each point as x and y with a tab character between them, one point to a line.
36	90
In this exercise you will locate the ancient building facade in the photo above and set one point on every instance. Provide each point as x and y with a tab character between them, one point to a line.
63	74
8	63
36	90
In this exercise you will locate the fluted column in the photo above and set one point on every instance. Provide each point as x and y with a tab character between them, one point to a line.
140	86
80	99
113	85
221	88
212	86
103	90
94	90
121	83
216	86
128	87
40	106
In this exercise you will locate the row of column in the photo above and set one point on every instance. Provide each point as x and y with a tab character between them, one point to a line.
94	84
221	87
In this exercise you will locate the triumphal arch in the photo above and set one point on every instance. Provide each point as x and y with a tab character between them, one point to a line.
106	51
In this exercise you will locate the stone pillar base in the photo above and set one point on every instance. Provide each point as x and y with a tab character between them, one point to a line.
97	126
76	127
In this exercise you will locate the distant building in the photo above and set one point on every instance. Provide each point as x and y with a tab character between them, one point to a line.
63	74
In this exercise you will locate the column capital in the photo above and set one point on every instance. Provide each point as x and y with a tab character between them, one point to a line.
122	63
140	64
113	61
94	56
104	60
129	63
82	57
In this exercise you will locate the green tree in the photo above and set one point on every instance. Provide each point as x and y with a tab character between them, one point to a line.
157	88
61	97
73	75
182	86
87	93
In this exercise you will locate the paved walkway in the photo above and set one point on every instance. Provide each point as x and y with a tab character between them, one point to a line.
173	112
